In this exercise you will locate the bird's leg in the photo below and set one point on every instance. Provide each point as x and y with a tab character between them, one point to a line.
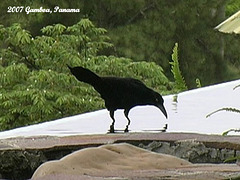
126	111
112	125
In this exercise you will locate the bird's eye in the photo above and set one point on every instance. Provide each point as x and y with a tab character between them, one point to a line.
156	99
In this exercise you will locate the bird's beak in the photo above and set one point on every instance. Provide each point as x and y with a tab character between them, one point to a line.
162	108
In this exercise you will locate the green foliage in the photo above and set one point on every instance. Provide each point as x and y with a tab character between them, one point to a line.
227	109
236	87
175	98
232	7
34	21
230	130
150	73
198	83
146	30
180	83
224	109
151	29
231	160
37	86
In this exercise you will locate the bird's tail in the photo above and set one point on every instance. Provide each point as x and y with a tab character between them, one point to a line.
85	75
69	67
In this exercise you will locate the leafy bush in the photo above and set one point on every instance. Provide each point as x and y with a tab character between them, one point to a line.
35	83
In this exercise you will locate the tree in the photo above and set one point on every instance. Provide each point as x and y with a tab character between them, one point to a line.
34	21
146	30
35	83
149	32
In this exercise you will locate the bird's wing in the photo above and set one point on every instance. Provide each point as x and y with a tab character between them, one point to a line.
123	92
124	84
136	82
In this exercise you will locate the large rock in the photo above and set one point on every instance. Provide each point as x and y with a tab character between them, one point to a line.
108	158
21	156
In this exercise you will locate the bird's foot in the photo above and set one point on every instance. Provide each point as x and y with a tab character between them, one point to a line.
112	129
126	130
165	128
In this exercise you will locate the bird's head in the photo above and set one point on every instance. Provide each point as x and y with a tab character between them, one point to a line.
158	102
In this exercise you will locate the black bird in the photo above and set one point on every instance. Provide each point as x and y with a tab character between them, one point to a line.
119	93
